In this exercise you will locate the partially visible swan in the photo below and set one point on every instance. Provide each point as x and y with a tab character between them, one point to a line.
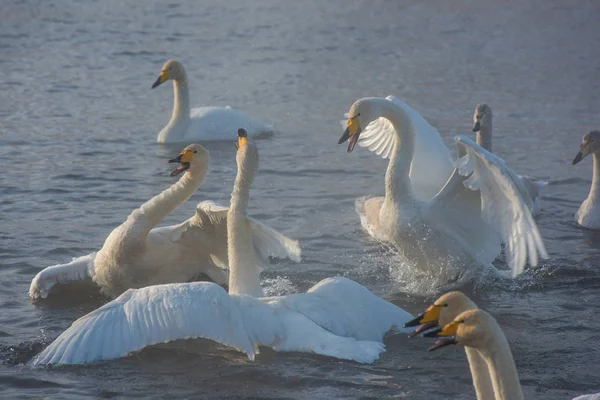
443	311
482	124
588	214
465	222
137	254
337	317
479	330
203	123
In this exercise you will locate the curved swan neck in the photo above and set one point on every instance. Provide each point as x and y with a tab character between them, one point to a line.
244	267
484	136
397	181
481	377
594	195
501	365
180	119
169	200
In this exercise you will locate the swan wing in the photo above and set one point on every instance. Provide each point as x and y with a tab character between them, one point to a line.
158	314
504	205
346	308
432	162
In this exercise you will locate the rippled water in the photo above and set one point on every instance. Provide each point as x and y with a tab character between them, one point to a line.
78	122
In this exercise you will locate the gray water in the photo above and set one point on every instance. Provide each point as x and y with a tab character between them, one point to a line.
78	123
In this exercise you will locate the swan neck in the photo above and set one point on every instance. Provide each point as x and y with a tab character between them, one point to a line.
244	267
180	119
158	207
594	195
484	136
397	181
484	389
501	365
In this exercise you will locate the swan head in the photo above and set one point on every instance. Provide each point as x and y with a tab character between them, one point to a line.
472	328
172	69
194	157
246	156
589	144
441	312
361	114
482	117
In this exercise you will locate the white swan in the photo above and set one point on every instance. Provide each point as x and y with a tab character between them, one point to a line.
482	124
136	254
588	214
203	123
465	222
337	317
443	311
479	330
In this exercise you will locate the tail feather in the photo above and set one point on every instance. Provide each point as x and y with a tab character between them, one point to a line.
80	269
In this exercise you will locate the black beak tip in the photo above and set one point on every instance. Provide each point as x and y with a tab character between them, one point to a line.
242	133
156	83
433	333
175	160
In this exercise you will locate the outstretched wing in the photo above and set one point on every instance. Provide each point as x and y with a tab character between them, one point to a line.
505	205
346	308
158	314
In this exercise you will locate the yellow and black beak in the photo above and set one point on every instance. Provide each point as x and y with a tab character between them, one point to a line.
476	126
447	332
164	75
584	150
242	138
184	159
352	132
428	320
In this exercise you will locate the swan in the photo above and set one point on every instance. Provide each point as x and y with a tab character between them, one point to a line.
136	254
588	214
479	330
460	225
337	317
203	123
443	311
482	124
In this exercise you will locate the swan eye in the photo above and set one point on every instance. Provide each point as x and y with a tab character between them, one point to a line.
195	151
445	305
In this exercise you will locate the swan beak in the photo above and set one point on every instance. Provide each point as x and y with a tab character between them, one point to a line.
448	330
161	78
352	132
242	138
431	315
477	126
184	159
583	151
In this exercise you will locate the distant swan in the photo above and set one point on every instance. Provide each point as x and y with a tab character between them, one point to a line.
203	123
588	214
465	222
337	317
482	124
137	254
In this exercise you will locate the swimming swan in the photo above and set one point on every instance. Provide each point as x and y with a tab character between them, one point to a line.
443	311
465	222
203	123
337	317
482	124
588	214
137	254
479	330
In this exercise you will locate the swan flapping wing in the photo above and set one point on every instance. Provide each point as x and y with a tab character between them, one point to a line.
348	309
158	314
432	163
504	204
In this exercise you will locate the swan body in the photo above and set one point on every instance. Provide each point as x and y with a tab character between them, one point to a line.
337	317
137	254
479	330
482	124
443	311
480	206
203	123
588	214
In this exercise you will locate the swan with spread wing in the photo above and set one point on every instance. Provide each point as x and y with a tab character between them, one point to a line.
337	317
138	254
479	207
